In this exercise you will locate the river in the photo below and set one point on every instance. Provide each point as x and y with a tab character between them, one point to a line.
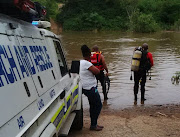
117	47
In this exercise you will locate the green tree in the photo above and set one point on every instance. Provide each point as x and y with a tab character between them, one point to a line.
131	9
165	12
144	23
177	25
133	15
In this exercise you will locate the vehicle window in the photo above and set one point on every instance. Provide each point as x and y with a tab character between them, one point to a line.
61	59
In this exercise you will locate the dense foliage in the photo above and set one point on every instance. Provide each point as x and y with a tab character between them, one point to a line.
132	15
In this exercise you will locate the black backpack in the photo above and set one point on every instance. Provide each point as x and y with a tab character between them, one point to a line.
145	63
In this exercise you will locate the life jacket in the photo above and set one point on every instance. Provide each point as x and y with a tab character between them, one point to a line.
96	60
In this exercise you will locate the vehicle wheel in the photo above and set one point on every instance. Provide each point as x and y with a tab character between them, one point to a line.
78	121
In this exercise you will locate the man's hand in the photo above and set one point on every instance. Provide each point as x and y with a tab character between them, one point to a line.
107	74
104	64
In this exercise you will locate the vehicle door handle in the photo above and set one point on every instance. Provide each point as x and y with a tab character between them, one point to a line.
62	95
27	89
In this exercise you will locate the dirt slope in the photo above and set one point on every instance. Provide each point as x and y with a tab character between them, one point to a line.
139	121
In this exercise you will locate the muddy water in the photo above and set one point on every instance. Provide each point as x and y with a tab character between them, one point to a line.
117	47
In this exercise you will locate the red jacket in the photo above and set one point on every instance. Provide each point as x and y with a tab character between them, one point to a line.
150	57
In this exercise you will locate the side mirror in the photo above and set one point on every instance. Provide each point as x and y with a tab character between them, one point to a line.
75	65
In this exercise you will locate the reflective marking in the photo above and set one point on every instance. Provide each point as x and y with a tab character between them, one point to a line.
59	119
74	88
68	97
68	103
67	112
75	93
58	116
75	98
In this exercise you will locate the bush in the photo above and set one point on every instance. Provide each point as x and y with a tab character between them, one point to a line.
84	22
132	15
117	23
177	25
144	23
93	20
72	24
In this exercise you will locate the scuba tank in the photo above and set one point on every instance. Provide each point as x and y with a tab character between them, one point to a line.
136	59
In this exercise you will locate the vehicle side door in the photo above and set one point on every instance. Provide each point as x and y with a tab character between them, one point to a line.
17	90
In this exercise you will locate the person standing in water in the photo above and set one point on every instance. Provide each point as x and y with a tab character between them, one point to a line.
89	85
146	63
97	59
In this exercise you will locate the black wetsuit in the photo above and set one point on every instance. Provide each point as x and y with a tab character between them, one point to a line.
101	78
140	76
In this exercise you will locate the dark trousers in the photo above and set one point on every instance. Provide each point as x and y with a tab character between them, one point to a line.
139	75
95	104
101	78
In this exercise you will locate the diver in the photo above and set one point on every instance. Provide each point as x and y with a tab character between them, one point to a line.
142	62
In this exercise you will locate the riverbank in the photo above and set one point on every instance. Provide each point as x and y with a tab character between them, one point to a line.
138	121
117	48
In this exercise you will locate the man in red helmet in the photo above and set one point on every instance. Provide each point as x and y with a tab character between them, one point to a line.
97	59
145	64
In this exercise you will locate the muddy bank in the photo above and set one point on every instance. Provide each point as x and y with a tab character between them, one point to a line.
138	121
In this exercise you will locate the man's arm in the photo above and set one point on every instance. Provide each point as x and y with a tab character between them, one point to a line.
94	70
104	64
150	58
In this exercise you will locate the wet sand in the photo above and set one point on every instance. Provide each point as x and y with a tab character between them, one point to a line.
137	121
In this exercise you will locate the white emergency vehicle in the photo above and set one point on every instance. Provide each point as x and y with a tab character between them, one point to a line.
39	97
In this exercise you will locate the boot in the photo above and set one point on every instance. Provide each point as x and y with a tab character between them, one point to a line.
135	99
142	100
105	96
96	128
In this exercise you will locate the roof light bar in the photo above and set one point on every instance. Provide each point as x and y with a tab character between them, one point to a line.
35	23
41	24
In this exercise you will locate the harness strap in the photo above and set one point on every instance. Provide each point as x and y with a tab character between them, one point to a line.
97	58
136	58
97	64
97	55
